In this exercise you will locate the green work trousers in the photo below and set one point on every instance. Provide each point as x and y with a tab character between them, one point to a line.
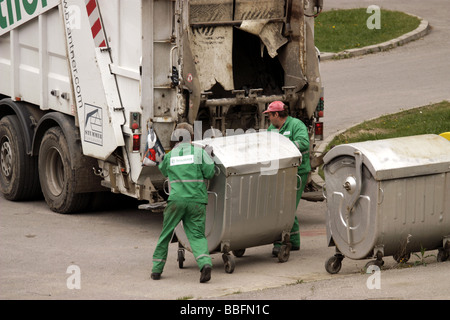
193	215
295	231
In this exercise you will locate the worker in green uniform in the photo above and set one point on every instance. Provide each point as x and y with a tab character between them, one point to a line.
187	168
296	131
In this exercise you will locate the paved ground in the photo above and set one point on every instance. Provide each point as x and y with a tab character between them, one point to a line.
113	249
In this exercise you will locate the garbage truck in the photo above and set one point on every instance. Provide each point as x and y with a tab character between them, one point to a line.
88	87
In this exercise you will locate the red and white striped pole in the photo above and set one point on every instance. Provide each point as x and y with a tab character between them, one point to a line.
96	24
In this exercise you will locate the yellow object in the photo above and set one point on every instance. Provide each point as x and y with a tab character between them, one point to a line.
446	135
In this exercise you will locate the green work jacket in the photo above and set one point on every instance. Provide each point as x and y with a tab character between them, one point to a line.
296	131
187	168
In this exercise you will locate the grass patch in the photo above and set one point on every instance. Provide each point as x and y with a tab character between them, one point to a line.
430	119
340	30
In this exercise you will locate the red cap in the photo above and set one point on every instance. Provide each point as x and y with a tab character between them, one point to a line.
275	106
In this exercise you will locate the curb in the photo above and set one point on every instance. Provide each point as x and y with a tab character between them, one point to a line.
422	30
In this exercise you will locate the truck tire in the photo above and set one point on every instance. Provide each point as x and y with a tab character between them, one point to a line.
19	179
57	176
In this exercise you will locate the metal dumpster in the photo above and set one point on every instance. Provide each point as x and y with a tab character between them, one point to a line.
388	198
252	196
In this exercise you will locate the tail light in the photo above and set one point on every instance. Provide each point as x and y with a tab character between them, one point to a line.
136	142
320	107
318	130
318	127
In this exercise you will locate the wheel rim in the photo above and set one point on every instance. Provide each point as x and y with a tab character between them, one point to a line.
6	158
54	169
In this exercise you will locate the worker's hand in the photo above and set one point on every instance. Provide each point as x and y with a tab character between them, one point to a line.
209	150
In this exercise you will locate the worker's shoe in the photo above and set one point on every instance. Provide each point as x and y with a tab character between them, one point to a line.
155	275
205	274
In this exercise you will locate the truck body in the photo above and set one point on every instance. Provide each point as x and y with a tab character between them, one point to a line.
83	82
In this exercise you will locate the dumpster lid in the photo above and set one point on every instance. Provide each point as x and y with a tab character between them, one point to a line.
399	157
263	152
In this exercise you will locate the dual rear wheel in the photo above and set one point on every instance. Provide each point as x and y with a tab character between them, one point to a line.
19	178
56	175
25	177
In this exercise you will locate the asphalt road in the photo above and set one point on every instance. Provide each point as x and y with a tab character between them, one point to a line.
106	254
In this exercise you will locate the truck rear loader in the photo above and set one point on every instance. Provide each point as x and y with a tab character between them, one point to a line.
84	82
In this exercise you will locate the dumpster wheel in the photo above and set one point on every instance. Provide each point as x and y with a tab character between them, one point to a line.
284	250
229	263
379	262
180	255
284	253
442	255
444	252
402	258
238	253
333	264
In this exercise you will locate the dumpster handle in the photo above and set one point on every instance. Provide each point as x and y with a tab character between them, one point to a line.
324	191
381	196
215	206
300	178
164	186
231	191
358	173
368	211
216	170
215	201
347	219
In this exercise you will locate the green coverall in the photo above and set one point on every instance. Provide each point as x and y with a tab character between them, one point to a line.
296	131
187	167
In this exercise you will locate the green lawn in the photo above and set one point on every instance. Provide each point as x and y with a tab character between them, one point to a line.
434	119
339	30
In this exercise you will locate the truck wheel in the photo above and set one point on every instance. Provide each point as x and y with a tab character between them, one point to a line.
19	179
57	176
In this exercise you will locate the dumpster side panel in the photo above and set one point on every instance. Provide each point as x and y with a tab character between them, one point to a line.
414	213
259	208
248	210
402	203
